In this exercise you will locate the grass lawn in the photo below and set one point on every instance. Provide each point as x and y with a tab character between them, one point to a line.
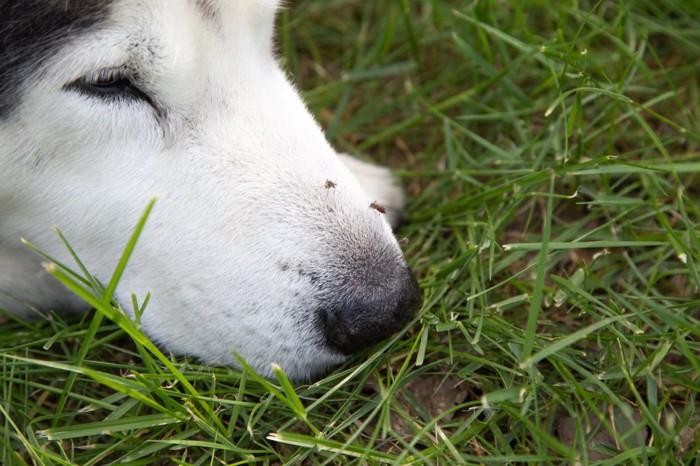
551	153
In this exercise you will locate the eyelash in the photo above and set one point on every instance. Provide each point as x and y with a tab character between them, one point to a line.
110	84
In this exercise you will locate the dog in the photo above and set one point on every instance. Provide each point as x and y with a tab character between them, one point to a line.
264	241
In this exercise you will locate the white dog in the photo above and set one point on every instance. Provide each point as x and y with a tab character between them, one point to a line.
265	241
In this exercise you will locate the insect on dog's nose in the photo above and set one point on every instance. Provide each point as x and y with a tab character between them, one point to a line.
363	321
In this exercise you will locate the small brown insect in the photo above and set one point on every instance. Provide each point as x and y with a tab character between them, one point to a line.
378	207
330	184
404	241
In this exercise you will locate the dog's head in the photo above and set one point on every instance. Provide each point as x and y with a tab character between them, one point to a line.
263	241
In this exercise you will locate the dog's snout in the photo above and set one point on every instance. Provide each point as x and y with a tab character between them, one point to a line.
370	317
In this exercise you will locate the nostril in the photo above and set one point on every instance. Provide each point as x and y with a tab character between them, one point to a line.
361	321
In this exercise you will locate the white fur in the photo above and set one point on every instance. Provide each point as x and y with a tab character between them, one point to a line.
241	170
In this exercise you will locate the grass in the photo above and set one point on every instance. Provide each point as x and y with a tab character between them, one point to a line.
551	155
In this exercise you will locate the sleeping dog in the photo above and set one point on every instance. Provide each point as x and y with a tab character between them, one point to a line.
264	241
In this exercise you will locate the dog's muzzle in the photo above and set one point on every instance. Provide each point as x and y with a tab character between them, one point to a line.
366	318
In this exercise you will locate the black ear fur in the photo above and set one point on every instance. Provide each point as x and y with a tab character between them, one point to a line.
31	31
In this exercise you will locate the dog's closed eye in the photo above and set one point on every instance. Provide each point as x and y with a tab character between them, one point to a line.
111	84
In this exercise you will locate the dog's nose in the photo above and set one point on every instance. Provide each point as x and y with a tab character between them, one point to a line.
368	317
